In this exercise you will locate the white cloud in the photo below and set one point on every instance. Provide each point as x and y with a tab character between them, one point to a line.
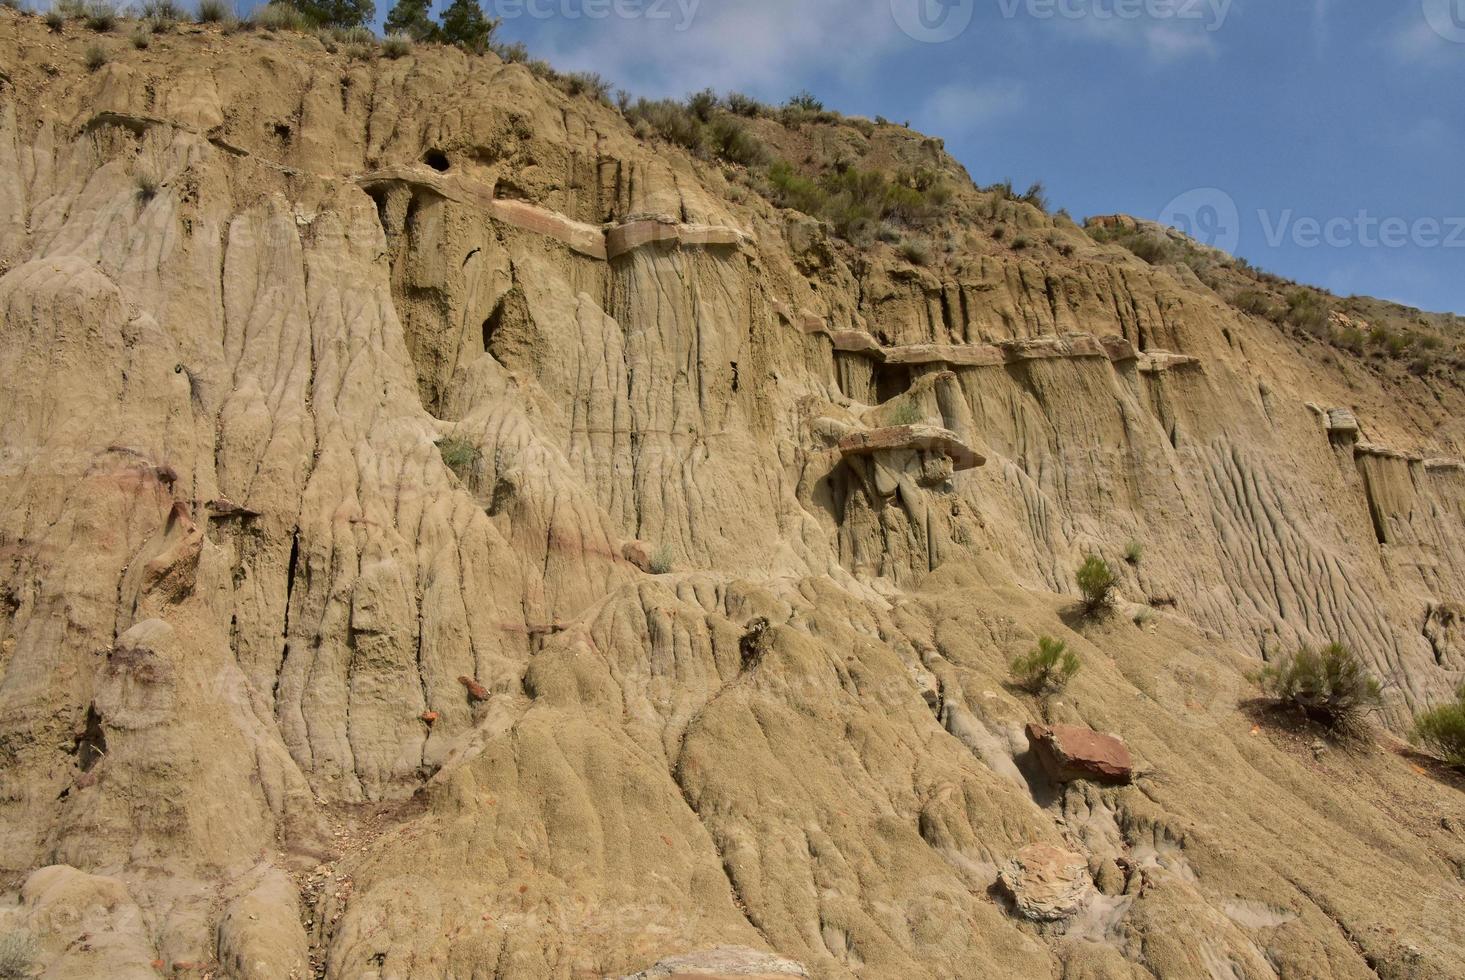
763	46
1163	39
960	108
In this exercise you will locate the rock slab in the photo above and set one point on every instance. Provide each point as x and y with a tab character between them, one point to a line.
1072	752
1047	883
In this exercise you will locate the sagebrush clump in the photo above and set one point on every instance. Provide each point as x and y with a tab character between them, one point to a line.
1442	731
1046	669
17	954
213	11
1330	686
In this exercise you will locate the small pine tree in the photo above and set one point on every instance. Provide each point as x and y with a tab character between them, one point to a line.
413	19
1047	669
1097	581
465	25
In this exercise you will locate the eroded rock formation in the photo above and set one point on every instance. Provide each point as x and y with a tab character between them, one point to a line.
444	535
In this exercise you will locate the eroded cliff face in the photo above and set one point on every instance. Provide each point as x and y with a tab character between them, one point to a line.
702	640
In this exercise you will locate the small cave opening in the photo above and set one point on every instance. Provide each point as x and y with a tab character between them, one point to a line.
437	160
283	131
91	744
378	196
891	381
491	326
734	376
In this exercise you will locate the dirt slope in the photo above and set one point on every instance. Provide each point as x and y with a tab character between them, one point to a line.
690	647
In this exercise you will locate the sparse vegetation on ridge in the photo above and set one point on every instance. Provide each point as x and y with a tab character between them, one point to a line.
1097	582
1441	731
459	455
1329	685
1047	668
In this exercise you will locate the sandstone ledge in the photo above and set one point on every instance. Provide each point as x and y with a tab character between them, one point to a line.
928	438
593	241
1115	349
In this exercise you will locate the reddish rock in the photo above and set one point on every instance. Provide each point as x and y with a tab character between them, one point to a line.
432	716
1071	752
476	691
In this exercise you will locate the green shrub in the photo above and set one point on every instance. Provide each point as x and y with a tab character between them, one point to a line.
1133	552
335	13
465	25
1306	311
1097	582
514	54
55	19
587	83
1151	246
95	57
412	19
1442	731
1350	339
916	251
670	120
661	562
17	955
279	17
101	16
397	46
1331	686
1036	194
804	101
1046	669
140	39
459	455
160	10
731	140
213	11
703	104
742	105
855	201
1253	301
356	34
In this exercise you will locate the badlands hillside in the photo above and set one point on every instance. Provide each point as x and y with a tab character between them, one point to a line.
450	528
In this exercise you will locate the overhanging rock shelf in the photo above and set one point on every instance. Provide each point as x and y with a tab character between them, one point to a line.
602	242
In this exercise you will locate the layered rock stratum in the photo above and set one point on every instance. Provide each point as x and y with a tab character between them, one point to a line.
445	534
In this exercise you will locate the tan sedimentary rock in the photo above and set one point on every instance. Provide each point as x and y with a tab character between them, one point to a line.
299	437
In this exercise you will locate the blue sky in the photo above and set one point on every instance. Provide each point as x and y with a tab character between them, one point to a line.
1349	113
